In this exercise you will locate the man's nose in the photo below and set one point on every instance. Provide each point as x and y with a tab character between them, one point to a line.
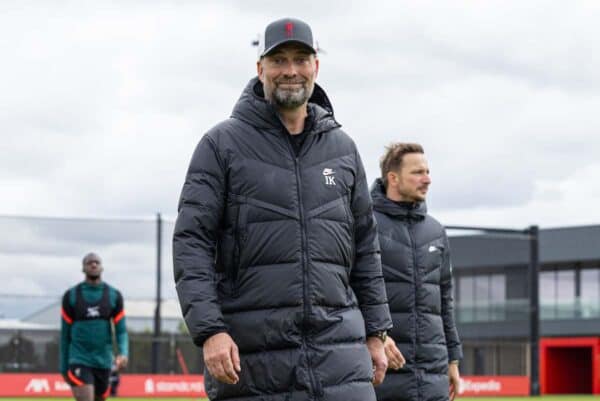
289	69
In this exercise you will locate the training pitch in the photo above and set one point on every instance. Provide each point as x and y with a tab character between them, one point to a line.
545	398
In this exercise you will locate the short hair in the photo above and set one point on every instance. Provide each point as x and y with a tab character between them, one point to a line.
392	159
91	255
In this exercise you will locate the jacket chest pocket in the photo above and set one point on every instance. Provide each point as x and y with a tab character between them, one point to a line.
240	236
433	256
230	250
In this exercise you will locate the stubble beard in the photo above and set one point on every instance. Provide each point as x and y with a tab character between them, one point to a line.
290	98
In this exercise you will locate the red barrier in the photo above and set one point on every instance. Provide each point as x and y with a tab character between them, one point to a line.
481	386
48	385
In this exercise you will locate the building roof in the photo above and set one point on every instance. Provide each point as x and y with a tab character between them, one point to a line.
556	246
15	324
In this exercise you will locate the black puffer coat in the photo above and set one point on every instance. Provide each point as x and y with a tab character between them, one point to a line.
416	265
281	252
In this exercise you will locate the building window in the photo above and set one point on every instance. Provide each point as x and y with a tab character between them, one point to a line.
589	298
498	296
482	298
466	302
494	359
557	294
565	294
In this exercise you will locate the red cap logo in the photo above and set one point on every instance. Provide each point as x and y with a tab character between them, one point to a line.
289	29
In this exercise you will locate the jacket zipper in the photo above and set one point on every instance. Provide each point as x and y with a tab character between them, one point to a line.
237	251
352	238
415	286
304	251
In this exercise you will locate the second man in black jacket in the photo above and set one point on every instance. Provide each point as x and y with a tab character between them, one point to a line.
417	269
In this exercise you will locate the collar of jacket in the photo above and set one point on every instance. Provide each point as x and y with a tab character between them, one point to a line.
400	210
253	109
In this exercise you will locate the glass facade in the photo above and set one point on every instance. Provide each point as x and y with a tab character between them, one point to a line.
564	294
570	294
482	298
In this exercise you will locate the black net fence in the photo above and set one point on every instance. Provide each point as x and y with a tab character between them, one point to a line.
40	258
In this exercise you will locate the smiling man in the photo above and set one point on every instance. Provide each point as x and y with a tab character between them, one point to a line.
275	248
423	348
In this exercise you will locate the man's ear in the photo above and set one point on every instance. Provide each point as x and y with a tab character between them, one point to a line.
259	70
391	178
316	67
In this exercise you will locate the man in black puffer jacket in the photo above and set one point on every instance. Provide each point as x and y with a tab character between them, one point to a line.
275	250
418	277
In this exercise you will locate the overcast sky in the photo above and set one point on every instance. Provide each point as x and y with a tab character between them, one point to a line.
102	103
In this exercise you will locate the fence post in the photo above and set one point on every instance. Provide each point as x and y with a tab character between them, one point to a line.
157	318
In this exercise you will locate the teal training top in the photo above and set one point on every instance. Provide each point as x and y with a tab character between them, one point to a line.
88	339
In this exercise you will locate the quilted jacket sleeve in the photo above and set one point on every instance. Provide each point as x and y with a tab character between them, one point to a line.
195	239
366	278
452	340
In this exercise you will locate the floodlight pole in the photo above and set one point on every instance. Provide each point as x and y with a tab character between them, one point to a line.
534	309
156	336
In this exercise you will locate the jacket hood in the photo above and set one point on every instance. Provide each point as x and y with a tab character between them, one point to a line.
402	210
254	109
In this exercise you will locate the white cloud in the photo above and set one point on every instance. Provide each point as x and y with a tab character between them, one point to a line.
102	105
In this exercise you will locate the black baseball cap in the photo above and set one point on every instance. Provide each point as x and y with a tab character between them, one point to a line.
286	30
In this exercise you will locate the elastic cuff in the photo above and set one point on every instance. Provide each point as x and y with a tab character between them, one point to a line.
455	353
199	341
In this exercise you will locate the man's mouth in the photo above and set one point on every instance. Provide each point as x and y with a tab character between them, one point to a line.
292	84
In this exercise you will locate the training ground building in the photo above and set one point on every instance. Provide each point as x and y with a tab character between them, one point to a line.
492	306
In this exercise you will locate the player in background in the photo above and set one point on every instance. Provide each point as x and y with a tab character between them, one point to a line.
89	311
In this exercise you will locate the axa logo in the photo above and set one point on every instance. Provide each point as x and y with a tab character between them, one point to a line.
329	175
38	386
93	311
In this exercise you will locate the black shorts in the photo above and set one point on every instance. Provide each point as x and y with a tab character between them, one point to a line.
78	375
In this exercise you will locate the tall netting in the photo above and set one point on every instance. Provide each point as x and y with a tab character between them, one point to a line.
41	257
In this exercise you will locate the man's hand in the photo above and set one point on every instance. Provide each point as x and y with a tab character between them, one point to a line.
121	362
379	359
454	379
222	358
395	358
